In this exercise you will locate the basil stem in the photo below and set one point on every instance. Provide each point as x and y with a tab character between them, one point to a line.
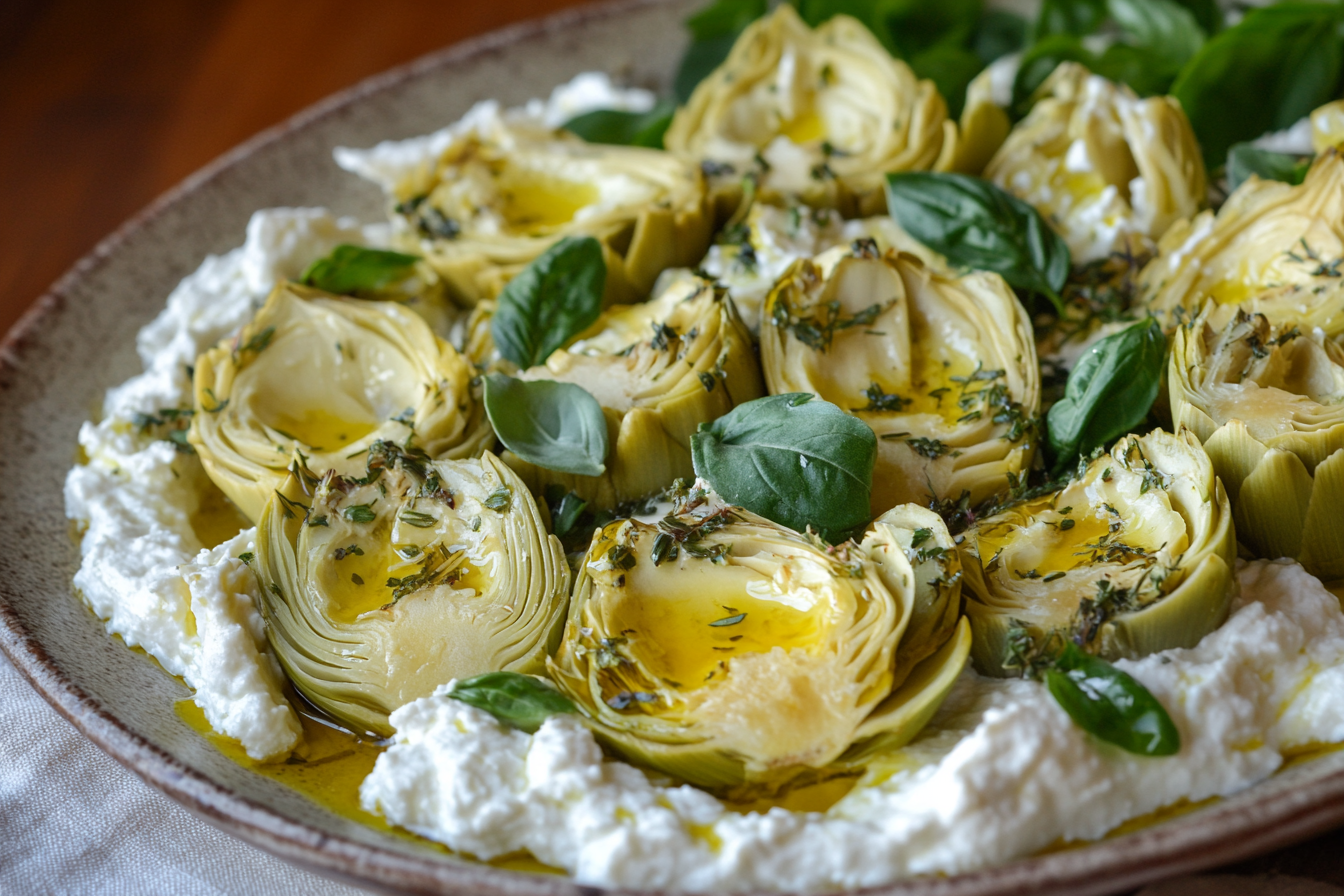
791	459
1110	704
520	701
354	270
553	299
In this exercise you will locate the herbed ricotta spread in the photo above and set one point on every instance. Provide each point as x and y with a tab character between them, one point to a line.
1001	771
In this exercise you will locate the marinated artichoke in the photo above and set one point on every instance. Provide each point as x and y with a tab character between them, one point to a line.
502	193
1110	171
721	648
1132	556
943	368
377	590
327	376
1268	404
817	115
1272	249
659	370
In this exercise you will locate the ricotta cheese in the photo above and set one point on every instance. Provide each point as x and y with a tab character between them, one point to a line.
143	567
1000	773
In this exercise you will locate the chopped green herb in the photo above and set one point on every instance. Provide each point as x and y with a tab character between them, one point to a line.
729	620
360	513
500	499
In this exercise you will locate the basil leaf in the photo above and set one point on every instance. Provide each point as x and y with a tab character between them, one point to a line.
1271	69
1163	28
1077	17
1111	705
714	30
350	270
975	224
998	34
521	701
558	426
1108	393
619	128
1042	58
550	301
1243	160
565	513
791	459
951	69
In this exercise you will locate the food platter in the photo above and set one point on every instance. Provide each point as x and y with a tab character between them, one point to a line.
78	341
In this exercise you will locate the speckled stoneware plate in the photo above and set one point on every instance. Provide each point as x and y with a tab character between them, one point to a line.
80	339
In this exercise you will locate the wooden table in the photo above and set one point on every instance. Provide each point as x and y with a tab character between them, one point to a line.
104	105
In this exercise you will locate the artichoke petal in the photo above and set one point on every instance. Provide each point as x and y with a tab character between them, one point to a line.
725	649
659	370
943	368
1322	533
329	377
1133	556
377	590
818	115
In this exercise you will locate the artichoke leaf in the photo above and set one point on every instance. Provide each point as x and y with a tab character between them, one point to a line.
329	377
377	590
727	650
942	368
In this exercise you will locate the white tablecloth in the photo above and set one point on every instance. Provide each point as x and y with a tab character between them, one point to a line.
74	821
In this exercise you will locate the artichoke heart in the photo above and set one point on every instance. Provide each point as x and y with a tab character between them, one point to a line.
723	649
1134	555
817	115
943	368
327	376
1268	404
1272	249
504	192
377	590
1110	171
658	370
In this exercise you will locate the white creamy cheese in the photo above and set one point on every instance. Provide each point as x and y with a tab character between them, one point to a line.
1000	773
143	568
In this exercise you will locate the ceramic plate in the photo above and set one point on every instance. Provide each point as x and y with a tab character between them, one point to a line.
80	338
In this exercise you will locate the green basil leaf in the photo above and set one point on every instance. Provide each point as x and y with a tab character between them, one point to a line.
791	459
975	224
1111	705
1272	68
619	128
998	34
550	301
1077	17
351	270
1109	391
1208	15
714	30
1042	58
521	701
1243	160
1146	71
1163	28
951	69
559	426
565	513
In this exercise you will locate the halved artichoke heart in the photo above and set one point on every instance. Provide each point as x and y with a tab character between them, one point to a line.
658	370
818	115
723	649
1133	556
327	376
1268	404
503	193
1273	249
943	368
377	590
1110	171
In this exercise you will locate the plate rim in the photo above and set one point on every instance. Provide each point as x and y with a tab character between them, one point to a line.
1206	838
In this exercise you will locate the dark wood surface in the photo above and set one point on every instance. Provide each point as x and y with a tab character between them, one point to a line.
105	104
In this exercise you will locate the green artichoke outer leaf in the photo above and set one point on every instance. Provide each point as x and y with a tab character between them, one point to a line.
505	191
328	377
941	367
377	590
1272	248
1134	555
1268	403
729	651
1111	171
658	370
847	113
